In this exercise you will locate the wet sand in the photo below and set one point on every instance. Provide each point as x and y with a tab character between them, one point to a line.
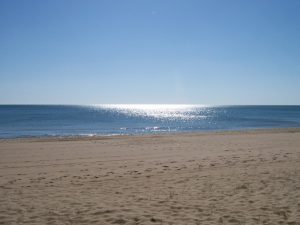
195	178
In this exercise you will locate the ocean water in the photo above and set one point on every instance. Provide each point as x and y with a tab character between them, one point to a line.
68	120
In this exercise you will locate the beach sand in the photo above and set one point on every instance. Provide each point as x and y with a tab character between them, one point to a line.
244	178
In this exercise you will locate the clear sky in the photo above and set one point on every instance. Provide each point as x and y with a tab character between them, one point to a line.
154	51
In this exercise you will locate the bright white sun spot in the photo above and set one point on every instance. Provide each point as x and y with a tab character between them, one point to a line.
156	110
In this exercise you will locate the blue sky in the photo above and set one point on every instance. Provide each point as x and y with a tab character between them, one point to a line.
155	51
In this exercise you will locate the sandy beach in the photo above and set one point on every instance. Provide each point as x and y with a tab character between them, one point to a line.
244	178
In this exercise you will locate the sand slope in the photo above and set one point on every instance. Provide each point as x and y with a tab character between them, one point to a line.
218	178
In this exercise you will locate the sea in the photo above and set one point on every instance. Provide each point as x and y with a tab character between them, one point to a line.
21	121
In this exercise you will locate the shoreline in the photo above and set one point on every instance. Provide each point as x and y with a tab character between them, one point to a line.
149	135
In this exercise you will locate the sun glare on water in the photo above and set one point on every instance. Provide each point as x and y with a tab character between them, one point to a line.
159	111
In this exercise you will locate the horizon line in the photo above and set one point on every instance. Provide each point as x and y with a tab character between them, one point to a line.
152	104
